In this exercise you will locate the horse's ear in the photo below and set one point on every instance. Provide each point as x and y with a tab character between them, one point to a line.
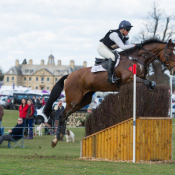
169	42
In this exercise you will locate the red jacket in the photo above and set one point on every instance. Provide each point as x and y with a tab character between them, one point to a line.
43	102
23	111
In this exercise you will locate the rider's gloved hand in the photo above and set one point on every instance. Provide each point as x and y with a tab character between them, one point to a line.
139	46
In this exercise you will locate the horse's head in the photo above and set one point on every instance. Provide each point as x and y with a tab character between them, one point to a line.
168	56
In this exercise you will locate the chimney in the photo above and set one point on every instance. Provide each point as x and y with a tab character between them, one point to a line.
84	64
72	64
59	62
17	63
30	62
42	62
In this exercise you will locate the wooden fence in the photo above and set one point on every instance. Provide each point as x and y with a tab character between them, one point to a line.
153	140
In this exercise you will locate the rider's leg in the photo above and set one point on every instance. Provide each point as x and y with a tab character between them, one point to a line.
107	53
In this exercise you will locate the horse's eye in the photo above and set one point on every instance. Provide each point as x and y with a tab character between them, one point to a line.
169	54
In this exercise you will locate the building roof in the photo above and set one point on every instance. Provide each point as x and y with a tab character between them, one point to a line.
31	69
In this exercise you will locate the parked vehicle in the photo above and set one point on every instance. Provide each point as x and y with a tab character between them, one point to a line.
2	100
8	101
17	97
96	102
41	117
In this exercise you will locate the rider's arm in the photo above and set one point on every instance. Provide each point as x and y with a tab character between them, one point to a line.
114	37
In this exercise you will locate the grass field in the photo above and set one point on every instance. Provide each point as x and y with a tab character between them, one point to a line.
39	157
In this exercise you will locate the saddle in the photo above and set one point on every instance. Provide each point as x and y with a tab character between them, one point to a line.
104	62
101	61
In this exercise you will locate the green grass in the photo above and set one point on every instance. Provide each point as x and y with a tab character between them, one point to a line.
40	158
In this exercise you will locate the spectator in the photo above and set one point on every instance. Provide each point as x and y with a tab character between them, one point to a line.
1	114
89	111
22	114
15	132
33	100
30	118
43	101
38	103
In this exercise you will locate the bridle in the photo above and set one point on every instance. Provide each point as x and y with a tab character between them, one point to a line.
167	59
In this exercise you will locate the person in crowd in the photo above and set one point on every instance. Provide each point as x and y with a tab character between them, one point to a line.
14	133
30	117
33	100
1	114
22	114
43	101
38	104
58	110
89	112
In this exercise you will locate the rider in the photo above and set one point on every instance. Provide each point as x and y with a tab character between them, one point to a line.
114	39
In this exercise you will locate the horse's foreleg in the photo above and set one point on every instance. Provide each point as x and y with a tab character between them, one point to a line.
149	83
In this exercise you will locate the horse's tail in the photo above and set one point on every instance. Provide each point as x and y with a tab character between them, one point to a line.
55	93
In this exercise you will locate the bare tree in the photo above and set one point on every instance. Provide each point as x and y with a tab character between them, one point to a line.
157	24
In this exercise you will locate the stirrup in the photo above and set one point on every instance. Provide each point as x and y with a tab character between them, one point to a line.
114	79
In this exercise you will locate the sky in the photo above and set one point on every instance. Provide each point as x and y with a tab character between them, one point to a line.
67	29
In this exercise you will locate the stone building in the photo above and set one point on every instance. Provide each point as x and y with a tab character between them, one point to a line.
43	76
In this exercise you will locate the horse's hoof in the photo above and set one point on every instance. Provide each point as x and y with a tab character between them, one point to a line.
152	85
53	144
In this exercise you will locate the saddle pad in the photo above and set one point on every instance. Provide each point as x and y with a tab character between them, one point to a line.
101	69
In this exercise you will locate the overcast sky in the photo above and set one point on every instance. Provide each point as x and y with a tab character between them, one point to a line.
70	29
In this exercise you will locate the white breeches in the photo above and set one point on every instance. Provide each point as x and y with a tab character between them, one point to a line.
105	51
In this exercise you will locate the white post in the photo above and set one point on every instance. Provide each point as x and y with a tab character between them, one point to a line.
171	95
134	111
171	115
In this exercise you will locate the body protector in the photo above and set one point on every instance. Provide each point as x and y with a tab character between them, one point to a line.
111	44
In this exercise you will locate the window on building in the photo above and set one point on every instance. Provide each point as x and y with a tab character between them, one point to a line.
47	79
12	78
30	78
31	70
26	70
56	79
7	79
42	79
36	87
24	78
36	78
47	88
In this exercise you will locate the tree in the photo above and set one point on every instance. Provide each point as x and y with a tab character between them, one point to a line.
157	25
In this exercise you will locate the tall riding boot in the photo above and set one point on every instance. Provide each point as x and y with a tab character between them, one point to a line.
110	69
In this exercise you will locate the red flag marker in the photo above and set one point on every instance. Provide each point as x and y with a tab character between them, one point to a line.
134	69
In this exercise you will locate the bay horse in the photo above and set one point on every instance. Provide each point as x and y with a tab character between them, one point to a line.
81	84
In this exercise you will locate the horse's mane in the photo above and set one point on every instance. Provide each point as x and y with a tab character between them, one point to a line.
148	41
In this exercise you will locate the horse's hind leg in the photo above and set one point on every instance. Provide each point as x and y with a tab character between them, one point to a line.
67	112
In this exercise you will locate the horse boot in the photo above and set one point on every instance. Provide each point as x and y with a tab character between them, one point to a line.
58	136
64	129
111	78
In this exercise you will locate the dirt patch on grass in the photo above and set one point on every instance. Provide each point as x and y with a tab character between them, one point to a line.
128	161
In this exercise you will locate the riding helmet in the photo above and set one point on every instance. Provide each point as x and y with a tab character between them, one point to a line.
125	24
